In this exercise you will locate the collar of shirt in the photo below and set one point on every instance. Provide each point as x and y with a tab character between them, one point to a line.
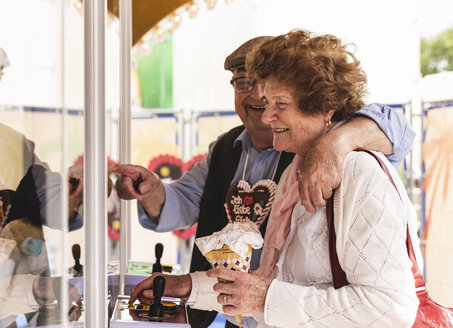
244	140
258	166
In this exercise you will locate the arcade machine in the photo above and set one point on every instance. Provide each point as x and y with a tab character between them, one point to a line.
164	312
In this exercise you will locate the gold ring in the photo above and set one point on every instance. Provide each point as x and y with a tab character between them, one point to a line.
225	299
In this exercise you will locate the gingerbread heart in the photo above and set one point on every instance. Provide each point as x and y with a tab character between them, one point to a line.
243	202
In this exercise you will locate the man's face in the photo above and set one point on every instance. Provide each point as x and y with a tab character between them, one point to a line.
250	107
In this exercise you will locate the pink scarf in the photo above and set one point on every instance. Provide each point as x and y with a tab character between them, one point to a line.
280	221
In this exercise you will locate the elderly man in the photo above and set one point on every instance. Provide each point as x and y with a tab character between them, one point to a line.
246	153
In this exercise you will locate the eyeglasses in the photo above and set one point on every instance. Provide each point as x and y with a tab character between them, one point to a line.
242	84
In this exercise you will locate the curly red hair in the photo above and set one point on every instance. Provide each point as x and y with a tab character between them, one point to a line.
322	72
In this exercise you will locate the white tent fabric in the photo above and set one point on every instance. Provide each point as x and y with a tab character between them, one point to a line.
438	187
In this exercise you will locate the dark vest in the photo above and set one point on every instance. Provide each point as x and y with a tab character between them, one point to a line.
222	168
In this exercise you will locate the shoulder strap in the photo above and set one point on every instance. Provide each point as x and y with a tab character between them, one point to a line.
338	275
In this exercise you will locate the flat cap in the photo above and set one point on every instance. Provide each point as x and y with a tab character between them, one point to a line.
237	57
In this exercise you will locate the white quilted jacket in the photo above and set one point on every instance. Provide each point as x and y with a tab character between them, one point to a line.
370	224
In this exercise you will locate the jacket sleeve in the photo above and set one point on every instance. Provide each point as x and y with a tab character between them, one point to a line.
17	295
396	128
370	223
202	295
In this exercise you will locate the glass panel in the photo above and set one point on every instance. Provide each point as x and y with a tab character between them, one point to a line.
155	74
40	172
112	90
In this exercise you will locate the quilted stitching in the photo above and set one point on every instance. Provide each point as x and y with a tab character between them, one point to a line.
375	260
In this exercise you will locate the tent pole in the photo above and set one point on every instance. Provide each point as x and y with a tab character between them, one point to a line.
125	14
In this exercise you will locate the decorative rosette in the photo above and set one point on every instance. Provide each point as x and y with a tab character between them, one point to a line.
166	166
191	162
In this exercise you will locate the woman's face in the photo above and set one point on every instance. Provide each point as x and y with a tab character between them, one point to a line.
294	131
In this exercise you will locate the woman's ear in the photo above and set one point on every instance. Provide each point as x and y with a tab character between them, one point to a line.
329	114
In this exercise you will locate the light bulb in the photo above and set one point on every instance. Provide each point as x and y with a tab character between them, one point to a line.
145	48
211	4
176	21
159	34
193	10
79	6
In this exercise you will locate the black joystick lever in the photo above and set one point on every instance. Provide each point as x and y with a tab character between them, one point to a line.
157	267
157	309
78	268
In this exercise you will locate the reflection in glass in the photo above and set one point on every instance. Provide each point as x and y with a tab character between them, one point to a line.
34	88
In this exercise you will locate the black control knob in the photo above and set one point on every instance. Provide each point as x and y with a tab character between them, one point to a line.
78	268
157	266
157	309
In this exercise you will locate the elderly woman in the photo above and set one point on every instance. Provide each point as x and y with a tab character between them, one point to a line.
315	83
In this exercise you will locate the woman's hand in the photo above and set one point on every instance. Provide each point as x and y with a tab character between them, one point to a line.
242	292
175	286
